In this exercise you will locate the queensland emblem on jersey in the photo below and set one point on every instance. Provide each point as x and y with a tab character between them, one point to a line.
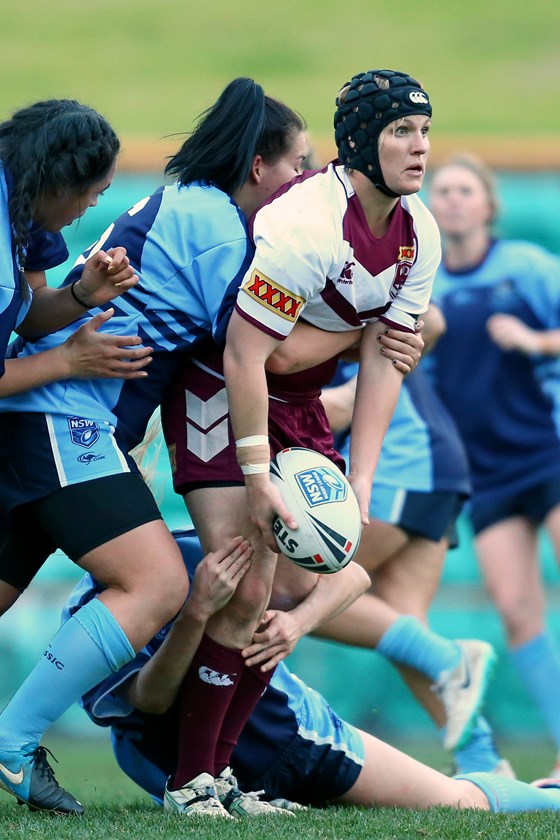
273	296
405	261
83	432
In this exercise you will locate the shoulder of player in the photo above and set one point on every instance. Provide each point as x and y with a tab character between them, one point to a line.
529	255
205	217
420	213
308	207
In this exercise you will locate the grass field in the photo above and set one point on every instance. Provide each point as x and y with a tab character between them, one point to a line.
491	68
117	810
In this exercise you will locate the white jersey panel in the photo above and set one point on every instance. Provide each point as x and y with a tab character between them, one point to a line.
317	258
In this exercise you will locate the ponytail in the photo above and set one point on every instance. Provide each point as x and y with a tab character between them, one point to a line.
242	123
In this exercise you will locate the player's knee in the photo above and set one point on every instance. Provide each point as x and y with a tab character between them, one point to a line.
163	594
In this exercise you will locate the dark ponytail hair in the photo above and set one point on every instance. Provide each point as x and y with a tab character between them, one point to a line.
53	147
242	123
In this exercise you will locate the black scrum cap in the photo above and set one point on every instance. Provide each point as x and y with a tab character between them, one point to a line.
364	106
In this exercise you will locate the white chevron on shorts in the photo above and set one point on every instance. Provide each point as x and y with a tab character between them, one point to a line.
207	444
204	413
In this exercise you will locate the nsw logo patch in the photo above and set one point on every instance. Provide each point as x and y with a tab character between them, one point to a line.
321	485
273	296
83	432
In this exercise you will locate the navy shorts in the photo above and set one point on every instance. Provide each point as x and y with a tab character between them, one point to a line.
533	503
309	773
430	515
41	453
199	437
76	519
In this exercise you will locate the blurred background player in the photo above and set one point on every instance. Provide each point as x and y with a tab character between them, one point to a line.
420	485
496	371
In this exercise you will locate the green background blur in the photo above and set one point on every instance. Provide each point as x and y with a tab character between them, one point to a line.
492	70
490	66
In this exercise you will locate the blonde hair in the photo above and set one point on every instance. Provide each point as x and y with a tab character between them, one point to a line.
483	173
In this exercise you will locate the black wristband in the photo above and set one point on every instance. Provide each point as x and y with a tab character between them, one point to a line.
75	296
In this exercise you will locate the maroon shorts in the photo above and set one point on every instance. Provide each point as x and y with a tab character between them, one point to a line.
198	432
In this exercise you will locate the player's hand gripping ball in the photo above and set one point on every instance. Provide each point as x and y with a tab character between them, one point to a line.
323	504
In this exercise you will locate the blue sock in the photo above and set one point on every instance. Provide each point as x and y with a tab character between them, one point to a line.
509	796
409	642
538	665
480	753
86	649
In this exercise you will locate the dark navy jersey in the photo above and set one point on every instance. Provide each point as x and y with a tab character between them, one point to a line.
421	450
505	404
288	707
43	251
189	246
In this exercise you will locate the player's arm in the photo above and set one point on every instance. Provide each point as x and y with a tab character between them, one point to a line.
510	333
339	404
434	326
246	352
86	354
377	392
281	630
105	276
154	688
307	346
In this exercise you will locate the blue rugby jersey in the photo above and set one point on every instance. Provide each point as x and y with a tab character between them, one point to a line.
421	450
506	404
288	707
188	245
44	250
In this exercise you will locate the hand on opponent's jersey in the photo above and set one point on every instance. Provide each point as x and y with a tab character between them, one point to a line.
106	275
90	354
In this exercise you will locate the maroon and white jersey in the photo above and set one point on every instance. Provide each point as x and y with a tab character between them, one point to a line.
316	257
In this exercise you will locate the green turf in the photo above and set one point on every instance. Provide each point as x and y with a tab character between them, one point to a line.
117	810
491	67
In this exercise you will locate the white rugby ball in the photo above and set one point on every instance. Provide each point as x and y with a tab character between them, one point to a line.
323	504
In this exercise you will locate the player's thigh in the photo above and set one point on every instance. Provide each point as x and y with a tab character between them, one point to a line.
379	542
390	778
408	581
508	557
112	528
219	513
552	525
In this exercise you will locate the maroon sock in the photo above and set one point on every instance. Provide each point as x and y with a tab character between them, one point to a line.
206	693
247	694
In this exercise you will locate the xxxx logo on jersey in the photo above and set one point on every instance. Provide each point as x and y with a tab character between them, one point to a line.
273	296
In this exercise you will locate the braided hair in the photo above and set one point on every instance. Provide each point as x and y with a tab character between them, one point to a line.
53	147
365	105
242	123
